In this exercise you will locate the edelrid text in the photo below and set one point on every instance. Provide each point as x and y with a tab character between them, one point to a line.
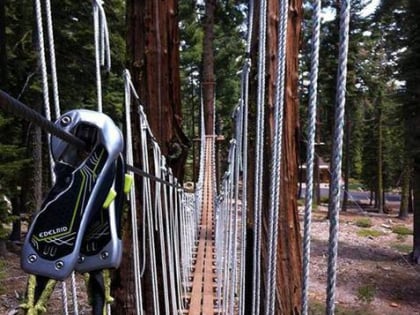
53	231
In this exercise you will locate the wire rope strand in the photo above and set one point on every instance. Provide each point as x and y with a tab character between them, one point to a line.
101	41
97	54
313	90
64	298
245	81
160	224
259	147
129	156
276	163
51	44
74	294
44	74
337	155
147	205
57	113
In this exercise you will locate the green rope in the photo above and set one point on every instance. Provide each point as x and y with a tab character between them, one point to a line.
31	294
40	306
107	290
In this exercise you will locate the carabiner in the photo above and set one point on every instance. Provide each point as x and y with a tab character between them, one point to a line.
84	179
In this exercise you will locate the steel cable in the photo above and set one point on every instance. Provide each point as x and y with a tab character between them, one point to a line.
276	161
310	151
259	148
337	155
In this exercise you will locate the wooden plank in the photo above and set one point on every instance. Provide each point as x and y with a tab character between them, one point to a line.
202	293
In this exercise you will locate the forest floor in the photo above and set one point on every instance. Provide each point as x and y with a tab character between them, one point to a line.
374	276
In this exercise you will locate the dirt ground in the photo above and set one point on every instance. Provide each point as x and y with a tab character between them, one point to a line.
13	287
374	275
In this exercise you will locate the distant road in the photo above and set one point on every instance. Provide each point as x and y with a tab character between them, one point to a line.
360	196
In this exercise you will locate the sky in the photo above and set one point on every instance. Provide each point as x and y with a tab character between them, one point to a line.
328	15
370	8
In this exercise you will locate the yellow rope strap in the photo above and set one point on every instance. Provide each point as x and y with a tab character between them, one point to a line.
40	306
107	288
107	284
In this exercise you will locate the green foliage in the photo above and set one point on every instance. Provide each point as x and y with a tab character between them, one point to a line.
366	293
5	216
318	308
228	50
403	248
402	230
3	273
73	34
369	233
363	222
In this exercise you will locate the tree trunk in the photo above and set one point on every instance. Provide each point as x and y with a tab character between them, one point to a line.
347	164
405	190
36	167
317	182
3	55
415	255
289	260
153	52
16	211
208	67
380	187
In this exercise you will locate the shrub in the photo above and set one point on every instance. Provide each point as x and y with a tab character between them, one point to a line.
369	233
366	293
363	222
402	230
403	248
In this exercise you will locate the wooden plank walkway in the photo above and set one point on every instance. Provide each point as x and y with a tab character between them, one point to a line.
202	293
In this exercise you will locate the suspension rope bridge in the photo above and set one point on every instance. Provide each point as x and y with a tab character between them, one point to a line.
202	235
202	298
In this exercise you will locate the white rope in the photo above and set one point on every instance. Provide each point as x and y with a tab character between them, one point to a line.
337	155
316	26
147	207
64	298
177	239
102	50
276	163
74	294
129	90
54	81
259	147
167	214
160	224
168	238
244	98
43	64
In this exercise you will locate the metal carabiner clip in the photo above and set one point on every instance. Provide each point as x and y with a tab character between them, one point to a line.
84	178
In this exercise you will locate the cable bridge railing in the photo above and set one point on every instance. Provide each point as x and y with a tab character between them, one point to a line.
173	214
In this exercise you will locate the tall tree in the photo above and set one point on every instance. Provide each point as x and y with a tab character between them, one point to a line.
411	72
153	58
405	18
208	80
288	280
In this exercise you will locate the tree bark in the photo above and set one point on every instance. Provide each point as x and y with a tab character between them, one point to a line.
3	54
153	50
153	53
347	164
415	255
380	185
289	260
289	252
208	67
405	190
